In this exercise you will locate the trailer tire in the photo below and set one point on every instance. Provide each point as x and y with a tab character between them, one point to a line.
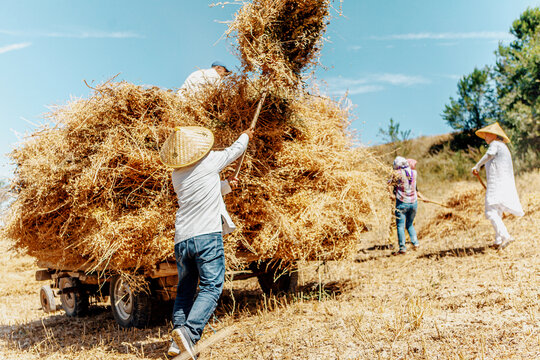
75	301
129	308
46	297
273	279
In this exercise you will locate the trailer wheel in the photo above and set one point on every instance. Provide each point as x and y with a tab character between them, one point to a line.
73	298
46	297
130	309
274	279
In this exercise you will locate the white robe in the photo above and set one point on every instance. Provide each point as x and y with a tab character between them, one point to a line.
501	187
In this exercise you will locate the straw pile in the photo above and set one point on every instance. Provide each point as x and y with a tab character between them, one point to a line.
465	211
280	38
91	188
93	194
318	194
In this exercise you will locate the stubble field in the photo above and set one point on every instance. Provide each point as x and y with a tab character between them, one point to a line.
454	298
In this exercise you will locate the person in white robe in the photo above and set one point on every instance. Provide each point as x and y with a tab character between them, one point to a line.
501	192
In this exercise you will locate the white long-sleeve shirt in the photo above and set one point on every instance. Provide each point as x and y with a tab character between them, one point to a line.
501	187
198	79
201	209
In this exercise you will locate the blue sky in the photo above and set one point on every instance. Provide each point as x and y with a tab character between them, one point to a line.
396	59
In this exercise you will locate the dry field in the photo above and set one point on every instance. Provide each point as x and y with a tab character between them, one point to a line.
454	298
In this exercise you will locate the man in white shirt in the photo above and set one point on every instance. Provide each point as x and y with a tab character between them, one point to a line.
201	221
203	77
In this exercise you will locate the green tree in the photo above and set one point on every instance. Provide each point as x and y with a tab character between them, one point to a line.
393	134
476	105
518	86
525	27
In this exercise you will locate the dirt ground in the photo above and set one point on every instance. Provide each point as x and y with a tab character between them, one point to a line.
454	298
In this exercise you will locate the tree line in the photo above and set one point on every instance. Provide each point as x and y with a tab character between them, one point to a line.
506	92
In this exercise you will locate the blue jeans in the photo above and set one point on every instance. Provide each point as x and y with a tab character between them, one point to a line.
199	260
405	213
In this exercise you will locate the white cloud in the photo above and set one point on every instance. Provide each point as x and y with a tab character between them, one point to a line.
339	86
371	83
12	47
354	48
364	89
477	35
400	79
452	76
94	34
8	32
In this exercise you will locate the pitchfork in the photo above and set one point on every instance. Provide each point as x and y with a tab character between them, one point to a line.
251	127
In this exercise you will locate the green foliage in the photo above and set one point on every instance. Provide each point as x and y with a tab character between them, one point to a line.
525	27
518	85
508	93
476	105
448	164
393	134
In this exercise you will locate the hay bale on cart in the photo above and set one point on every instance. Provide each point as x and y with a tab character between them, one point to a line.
95	205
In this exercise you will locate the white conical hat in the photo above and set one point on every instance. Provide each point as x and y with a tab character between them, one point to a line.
495	129
186	146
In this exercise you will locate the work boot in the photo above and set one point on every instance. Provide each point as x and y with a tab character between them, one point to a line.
174	350
184	342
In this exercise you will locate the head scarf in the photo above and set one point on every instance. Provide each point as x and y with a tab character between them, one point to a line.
412	163
402	163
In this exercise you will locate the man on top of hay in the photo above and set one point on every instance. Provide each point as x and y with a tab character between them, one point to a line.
501	193
201	221
200	78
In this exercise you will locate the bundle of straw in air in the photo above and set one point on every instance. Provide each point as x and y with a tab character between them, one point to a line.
280	38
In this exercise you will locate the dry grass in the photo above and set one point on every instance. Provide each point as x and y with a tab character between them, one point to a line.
453	299
465	210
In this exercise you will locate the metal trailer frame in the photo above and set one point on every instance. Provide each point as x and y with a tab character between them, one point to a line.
78	288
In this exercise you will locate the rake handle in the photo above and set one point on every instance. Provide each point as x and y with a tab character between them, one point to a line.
251	127
480	179
435	202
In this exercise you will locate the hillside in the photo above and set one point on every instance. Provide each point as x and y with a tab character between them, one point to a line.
454	298
441	158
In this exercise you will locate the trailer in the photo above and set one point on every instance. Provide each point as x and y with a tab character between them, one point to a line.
76	289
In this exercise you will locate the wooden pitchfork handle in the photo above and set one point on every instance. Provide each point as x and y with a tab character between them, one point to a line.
251	127
480	179
434	202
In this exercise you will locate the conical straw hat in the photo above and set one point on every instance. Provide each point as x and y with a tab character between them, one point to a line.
494	128
186	146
